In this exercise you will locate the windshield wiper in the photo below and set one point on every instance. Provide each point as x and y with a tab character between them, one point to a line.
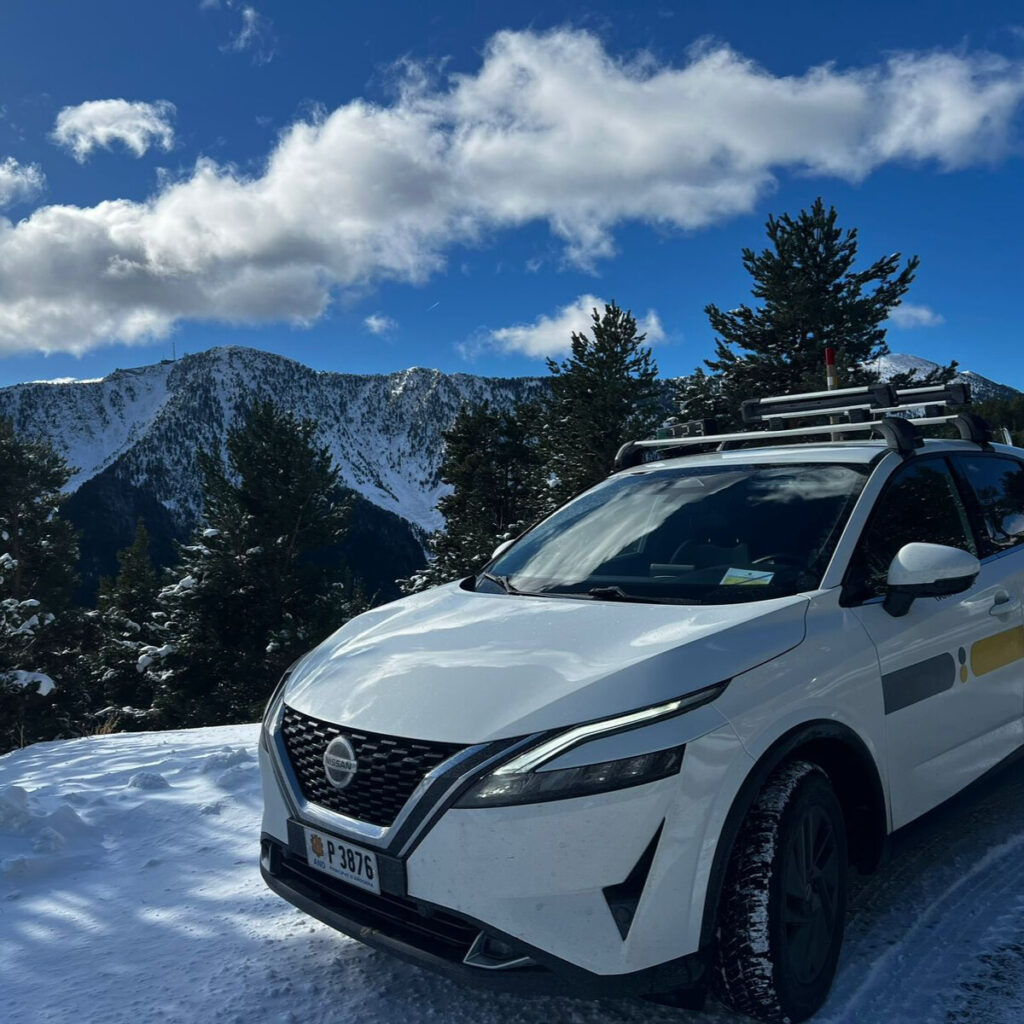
614	593
502	581
618	594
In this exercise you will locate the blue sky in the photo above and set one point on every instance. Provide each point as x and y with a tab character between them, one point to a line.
366	187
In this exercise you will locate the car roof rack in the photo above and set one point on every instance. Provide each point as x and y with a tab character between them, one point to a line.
878	409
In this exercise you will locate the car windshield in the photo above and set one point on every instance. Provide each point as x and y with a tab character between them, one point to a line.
689	535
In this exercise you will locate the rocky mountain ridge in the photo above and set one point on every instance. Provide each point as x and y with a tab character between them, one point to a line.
383	430
134	435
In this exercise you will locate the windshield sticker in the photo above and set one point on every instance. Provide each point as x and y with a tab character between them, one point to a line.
746	578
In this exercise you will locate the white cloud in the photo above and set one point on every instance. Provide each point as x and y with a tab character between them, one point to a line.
550	128
19	182
101	123
907	315
552	335
377	323
255	34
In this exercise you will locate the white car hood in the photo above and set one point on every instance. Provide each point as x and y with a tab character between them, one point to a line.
454	666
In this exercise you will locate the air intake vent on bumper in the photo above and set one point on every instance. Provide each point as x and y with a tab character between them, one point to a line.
624	898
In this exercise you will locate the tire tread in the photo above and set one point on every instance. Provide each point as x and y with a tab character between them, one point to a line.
743	975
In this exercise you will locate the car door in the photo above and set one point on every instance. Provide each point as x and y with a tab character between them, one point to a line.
949	671
994	484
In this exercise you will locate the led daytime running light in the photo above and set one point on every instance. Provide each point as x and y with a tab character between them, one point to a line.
535	757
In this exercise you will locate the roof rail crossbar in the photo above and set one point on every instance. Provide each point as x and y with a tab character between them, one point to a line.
878	409
973	428
856	413
901	435
764	435
629	455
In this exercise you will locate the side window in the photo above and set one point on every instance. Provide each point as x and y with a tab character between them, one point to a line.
920	505
998	484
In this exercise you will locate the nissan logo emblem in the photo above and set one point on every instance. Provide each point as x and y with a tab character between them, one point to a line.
340	763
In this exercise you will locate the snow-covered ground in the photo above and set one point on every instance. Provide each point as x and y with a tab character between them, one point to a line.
129	891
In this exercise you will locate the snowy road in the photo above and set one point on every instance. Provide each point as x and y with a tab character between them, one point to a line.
129	892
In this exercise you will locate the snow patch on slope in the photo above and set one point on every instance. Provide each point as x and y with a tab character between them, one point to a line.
91	422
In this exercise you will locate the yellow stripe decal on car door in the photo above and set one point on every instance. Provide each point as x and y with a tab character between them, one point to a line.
997	650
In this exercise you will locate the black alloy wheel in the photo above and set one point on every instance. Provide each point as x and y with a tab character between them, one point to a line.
810	894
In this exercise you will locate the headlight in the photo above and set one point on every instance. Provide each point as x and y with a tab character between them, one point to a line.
521	780
536	787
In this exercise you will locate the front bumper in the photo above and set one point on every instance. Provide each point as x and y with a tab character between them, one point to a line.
438	940
605	893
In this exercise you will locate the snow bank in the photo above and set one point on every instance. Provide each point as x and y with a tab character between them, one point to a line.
130	892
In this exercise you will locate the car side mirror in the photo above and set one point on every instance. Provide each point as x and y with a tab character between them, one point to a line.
927	570
501	548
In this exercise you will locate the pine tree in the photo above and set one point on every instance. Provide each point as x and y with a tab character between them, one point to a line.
122	690
1005	412
812	298
261	581
493	466
603	395
39	695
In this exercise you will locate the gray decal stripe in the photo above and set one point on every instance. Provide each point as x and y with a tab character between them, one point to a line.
918	682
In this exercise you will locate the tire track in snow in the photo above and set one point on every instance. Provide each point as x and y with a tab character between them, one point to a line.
995	995
923	932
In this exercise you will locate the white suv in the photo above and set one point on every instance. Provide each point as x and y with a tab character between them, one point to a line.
639	751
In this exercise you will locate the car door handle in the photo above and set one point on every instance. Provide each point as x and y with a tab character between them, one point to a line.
1005	606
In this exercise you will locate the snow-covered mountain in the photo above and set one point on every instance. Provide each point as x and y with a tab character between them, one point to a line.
981	387
134	438
384	431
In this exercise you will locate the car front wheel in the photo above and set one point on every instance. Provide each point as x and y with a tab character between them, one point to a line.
782	909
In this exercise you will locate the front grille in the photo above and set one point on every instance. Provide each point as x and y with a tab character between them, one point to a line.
390	767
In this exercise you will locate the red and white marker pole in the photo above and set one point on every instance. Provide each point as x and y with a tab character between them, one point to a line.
831	380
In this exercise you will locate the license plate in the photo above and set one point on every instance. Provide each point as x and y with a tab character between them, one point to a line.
342	860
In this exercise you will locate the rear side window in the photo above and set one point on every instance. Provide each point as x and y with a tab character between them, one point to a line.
920	505
998	485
